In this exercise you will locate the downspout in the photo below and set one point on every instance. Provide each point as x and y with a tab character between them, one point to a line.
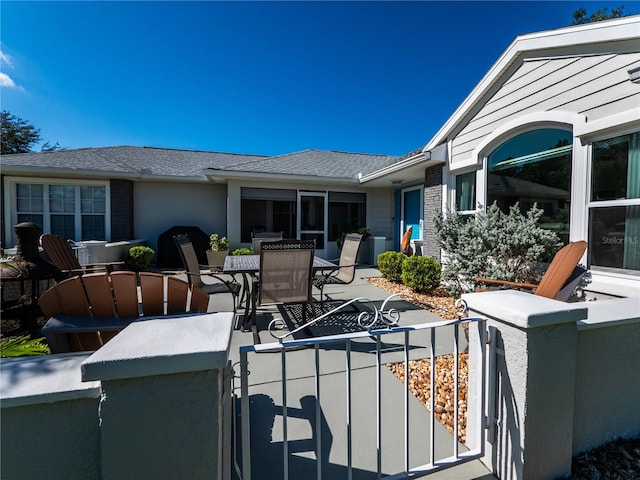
396	219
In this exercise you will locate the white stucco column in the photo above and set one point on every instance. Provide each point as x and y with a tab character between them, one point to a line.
49	418
164	410
536	342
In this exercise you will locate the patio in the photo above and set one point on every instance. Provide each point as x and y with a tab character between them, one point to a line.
548	339
265	390
265	393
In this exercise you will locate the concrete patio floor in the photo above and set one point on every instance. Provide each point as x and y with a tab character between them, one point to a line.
265	392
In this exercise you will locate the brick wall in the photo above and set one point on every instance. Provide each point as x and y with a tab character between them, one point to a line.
121	210
432	206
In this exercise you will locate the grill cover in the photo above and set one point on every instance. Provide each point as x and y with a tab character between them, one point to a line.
168	255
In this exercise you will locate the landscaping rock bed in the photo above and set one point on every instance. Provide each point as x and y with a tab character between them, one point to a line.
444	393
442	304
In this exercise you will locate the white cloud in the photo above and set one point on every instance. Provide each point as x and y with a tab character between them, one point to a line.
6	81
4	58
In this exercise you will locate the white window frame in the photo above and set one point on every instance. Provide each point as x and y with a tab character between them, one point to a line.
590	204
11	210
454	191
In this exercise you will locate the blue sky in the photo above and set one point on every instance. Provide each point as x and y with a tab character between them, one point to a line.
256	77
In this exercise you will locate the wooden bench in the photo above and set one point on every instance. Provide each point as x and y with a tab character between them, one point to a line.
85	312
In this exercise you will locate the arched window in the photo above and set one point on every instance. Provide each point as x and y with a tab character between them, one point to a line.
534	167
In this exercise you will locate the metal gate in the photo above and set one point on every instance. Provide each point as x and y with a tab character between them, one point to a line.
409	443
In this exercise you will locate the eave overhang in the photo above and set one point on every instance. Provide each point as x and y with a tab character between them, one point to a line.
406	171
78	173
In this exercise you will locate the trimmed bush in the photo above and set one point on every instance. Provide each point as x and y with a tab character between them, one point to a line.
390	265
421	274
242	251
139	258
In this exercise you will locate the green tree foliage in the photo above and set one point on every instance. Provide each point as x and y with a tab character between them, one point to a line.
503	246
580	16
18	136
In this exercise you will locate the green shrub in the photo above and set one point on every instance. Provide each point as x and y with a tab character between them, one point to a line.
242	251
139	258
421	274
499	245
390	265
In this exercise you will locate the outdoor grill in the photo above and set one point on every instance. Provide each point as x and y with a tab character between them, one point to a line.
24	276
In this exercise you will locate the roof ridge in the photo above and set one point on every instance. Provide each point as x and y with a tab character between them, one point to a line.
333	151
202	151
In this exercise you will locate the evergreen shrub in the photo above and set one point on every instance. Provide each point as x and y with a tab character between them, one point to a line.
390	265
421	274
503	246
139	258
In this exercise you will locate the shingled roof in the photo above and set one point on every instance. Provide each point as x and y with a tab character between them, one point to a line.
127	160
319	163
133	161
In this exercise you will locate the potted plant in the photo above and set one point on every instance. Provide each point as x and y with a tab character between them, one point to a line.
363	252
219	250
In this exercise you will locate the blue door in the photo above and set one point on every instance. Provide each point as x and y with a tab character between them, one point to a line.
411	212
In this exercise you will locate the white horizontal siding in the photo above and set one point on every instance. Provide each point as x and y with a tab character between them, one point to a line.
615	107
595	85
530	77
555	86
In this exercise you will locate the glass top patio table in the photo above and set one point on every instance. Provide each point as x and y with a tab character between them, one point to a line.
250	264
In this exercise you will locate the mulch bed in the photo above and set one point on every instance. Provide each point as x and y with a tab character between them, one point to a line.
619	459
